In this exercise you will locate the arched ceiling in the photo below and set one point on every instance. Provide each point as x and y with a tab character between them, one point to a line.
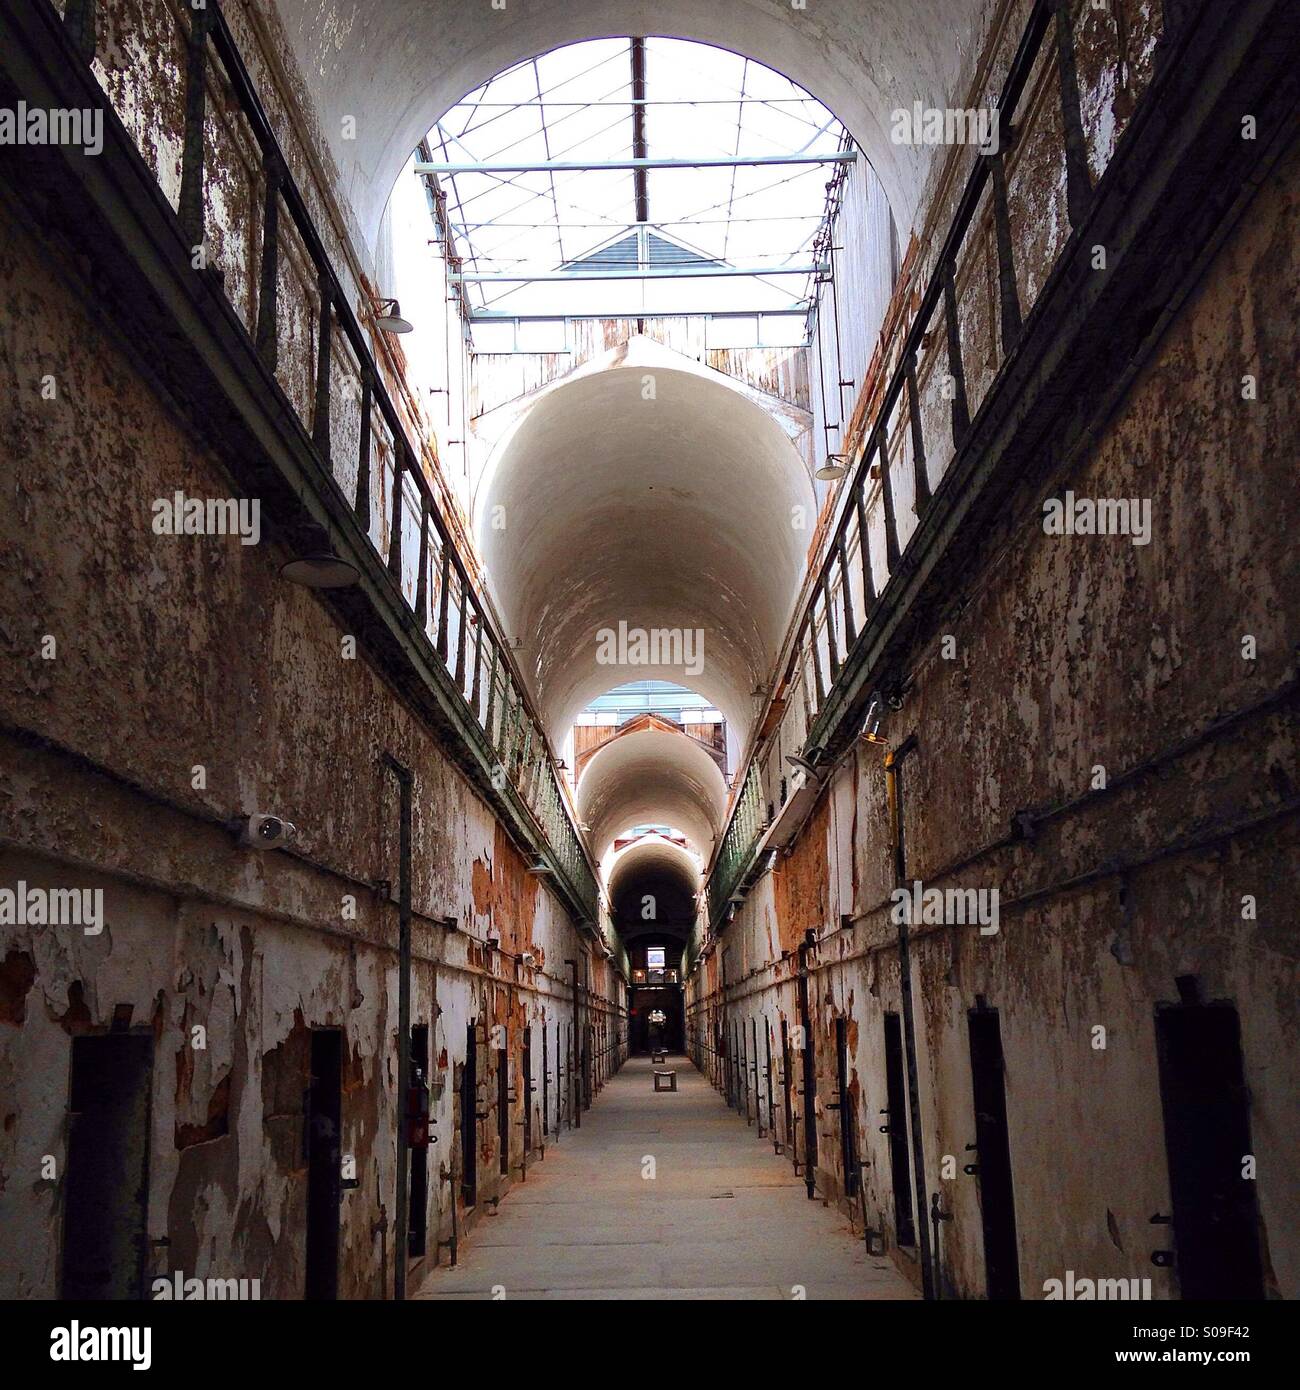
652	777
395	66
665	514
653	868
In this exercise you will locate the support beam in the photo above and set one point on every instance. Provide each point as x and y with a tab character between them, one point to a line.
583	166
663	272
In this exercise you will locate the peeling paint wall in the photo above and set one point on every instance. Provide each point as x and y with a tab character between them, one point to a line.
1074	654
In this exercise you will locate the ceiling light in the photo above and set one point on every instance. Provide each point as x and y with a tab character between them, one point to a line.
832	469
320	571
390	319
541	869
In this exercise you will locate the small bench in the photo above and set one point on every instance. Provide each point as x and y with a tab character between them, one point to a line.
665	1076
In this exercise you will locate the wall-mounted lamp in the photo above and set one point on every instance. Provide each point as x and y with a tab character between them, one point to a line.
832	469
320	570
541	869
808	765
390	320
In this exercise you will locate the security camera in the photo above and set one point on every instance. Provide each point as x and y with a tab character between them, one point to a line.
259	831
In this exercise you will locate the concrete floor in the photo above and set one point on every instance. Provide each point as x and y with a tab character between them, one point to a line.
722	1217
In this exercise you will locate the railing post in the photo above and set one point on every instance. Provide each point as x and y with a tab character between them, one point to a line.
190	207
1008	294
395	530
492	697
444	595
361	505
864	549
850	624
458	670
920	478
80	19
268	344
887	495
818	682
320	422
422	577
960	408
832	638
1078	181
475	697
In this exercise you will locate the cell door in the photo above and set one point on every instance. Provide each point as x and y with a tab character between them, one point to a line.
503	1109
324	1163
106	1184
418	1219
993	1155
848	1137
895	1126
528	1089
469	1119
1207	1143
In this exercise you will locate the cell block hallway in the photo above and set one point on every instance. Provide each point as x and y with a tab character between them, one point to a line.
649	653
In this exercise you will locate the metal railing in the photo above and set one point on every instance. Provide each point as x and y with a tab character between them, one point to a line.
342	401
903	441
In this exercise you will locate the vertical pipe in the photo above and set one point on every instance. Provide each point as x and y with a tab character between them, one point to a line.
809	1077
403	776
894	781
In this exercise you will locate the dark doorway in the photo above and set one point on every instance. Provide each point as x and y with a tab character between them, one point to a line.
324	1163
848	1138
1207	1138
469	1119
546	1083
900	1168
528	1090
107	1178
767	1049
787	1082
993	1155
503	1108
419	1206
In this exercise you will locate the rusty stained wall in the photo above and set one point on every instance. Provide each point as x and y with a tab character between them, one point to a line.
175	654
1073	653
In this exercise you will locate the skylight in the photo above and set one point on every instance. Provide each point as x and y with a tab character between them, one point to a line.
714	206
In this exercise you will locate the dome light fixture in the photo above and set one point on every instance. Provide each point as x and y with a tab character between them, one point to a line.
320	570
390	320
832	469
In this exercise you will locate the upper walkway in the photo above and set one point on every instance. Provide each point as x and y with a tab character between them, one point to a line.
721	1217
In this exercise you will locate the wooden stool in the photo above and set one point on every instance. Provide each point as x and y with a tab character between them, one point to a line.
659	1055
669	1076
